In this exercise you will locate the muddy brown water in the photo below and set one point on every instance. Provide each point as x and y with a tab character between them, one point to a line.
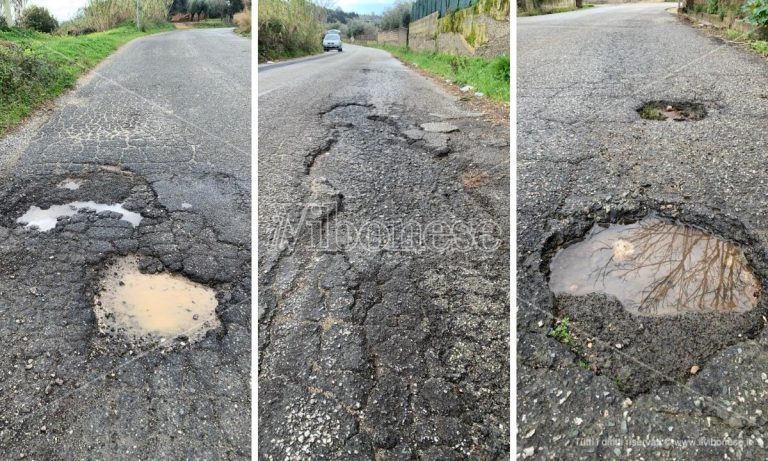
658	268
137	305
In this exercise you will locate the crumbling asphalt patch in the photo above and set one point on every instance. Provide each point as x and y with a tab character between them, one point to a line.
641	353
678	111
371	348
49	333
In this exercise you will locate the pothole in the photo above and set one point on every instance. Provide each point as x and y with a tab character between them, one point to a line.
45	219
657	268
152	307
70	183
672	111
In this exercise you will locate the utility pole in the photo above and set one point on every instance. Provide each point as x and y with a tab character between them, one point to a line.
138	14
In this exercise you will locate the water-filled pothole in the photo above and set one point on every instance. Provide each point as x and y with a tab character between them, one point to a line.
658	268
45	219
141	307
672	111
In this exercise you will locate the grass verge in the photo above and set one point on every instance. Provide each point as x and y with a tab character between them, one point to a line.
36	68
206	24
489	76
523	13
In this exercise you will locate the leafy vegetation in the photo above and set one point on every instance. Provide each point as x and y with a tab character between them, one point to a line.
289	28
39	19
560	332
761	46
397	16
37	67
651	112
102	15
489	76
757	12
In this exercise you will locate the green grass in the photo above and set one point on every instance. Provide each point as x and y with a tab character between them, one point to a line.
732	34
489	76
522	13
760	46
650	112
35	68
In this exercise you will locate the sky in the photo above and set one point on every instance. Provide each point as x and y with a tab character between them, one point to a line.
60	9
365	6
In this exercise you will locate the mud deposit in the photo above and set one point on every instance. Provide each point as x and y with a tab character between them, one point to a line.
141	306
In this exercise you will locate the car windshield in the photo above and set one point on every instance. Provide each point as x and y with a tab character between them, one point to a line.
332	37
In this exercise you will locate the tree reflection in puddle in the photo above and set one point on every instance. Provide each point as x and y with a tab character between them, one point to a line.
657	268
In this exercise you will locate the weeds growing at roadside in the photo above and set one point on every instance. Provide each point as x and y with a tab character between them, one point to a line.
289	28
560	332
36	67
489	76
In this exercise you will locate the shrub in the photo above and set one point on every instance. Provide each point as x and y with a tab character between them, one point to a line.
3	23
243	21
39	19
757	12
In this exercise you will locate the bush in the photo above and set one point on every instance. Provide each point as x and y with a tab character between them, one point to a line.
289	28
39	19
3	23
757	12
243	21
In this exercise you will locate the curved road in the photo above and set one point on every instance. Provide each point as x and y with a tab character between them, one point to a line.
383	265
162	126
685	387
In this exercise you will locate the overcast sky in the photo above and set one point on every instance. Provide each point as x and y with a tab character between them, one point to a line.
60	9
365	6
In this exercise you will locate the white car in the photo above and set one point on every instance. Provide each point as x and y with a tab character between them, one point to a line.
331	41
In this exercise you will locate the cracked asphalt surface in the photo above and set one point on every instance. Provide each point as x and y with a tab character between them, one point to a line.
162	126
374	342
585	156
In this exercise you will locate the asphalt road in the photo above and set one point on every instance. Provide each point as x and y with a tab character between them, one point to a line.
585	156
383	266
163	126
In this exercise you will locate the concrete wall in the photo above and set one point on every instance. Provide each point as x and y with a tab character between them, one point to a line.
394	37
465	32
422	34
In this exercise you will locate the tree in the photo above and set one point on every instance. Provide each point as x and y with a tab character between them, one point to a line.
397	16
39	19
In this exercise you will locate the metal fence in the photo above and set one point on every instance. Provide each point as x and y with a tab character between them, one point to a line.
423	8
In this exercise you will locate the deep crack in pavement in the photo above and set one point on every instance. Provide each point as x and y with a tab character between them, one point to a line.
376	343
130	134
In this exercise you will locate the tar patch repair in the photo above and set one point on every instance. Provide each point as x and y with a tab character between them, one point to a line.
657	268
145	307
45	219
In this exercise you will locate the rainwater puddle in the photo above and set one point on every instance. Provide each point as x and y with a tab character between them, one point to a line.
657	268
45	220
143	306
